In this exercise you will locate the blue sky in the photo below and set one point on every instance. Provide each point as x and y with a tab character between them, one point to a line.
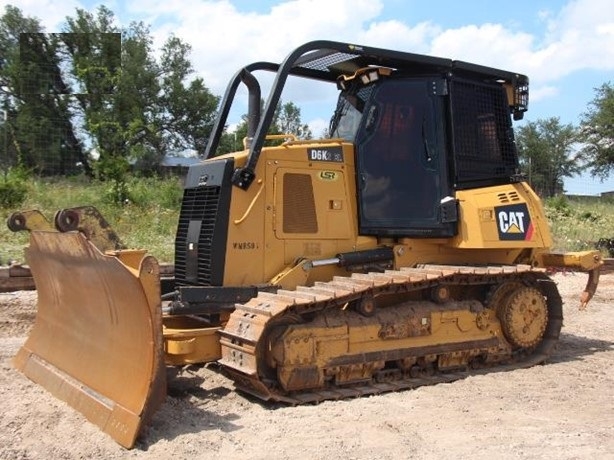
566	47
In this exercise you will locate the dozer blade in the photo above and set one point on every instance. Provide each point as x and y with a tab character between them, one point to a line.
97	339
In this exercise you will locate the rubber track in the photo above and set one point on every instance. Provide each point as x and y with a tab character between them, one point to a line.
250	321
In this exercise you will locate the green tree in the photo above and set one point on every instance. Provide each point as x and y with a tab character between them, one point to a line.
233	141
597	132
547	155
187	107
93	49
286	120
136	107
37	133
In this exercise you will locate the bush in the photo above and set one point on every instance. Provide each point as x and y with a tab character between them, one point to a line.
13	187
560	204
151	191
114	172
590	216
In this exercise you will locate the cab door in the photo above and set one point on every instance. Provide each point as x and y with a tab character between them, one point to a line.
403	186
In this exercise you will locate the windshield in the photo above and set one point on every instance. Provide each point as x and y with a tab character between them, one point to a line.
346	119
344	122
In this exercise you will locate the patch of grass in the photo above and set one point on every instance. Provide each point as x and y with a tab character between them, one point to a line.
577	224
149	217
148	220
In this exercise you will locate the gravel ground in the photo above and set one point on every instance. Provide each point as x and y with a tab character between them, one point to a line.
562	410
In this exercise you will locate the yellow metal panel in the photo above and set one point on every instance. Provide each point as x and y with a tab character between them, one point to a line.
333	221
245	247
334	192
188	340
582	260
506	216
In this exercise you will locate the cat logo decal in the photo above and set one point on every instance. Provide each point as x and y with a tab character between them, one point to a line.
514	222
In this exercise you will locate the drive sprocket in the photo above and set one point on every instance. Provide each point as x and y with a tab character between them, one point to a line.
524	316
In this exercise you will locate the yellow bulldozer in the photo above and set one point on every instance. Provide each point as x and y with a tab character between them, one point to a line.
403	249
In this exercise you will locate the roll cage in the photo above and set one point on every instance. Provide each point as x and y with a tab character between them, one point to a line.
327	61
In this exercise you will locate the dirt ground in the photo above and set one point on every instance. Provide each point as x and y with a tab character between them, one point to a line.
562	410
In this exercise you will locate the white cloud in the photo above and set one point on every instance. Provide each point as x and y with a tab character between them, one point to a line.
488	44
50	15
223	38
539	93
579	35
395	34
575	37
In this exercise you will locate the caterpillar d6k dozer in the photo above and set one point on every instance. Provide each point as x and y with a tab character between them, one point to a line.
404	249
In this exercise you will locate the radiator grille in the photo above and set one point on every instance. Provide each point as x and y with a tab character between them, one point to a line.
299	204
199	209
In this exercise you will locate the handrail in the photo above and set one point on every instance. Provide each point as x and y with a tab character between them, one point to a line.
251	205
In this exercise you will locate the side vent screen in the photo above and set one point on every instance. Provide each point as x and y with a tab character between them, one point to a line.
299	204
508	197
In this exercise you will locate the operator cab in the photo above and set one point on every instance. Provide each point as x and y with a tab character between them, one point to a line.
417	139
422	127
